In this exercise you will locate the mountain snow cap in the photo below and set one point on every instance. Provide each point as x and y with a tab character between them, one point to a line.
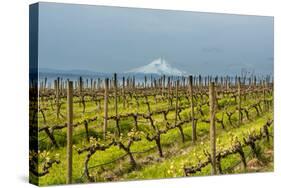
158	66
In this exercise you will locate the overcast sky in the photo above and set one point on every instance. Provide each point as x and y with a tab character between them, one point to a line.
112	39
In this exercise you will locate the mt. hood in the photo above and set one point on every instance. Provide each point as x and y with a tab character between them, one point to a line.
159	66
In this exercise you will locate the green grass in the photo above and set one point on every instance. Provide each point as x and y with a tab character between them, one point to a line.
150	165
175	164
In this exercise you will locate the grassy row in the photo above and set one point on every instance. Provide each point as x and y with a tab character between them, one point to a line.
176	153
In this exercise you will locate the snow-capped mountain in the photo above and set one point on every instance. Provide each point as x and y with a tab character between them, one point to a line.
159	66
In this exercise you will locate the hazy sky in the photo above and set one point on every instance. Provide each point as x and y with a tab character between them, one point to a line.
112	39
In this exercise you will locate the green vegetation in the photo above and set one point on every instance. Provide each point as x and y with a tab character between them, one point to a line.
176	153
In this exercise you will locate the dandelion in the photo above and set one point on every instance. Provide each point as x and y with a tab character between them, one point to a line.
169	172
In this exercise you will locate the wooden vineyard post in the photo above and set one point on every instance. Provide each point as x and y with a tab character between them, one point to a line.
91	85
212	99
80	85
177	87
105	107
183	82
98	84
263	93
61	87
192	109
57	97
116	102
69	130
200	80
239	101
55	89
145	81
123	92
134	83
115	94
163	85
227	84
155	84
80	89
177	106
169	91
45	84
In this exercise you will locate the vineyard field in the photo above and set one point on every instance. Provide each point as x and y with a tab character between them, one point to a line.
112	129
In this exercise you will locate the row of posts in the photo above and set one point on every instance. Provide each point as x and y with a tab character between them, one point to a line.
212	105
159	82
58	86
